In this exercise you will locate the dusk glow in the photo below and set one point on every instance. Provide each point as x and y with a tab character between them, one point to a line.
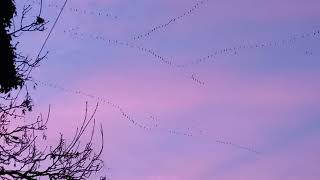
187	89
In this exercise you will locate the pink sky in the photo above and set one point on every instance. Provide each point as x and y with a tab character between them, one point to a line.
265	99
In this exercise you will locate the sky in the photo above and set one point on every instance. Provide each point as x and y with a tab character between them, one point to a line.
211	89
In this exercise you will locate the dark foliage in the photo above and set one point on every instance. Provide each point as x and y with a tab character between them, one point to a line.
9	77
8	10
22	154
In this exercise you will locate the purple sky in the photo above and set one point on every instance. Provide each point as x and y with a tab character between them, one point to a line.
262	94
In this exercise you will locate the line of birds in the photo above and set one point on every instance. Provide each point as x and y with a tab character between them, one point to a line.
99	13
78	35
141	125
224	51
102	13
238	146
117	107
230	50
98	99
236	49
172	20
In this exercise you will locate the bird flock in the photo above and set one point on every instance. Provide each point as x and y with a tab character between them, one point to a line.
74	33
219	52
171	21
274	44
140	125
99	13
98	99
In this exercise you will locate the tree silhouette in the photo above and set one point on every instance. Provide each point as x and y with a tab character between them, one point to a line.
14	66
22	156
9	77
